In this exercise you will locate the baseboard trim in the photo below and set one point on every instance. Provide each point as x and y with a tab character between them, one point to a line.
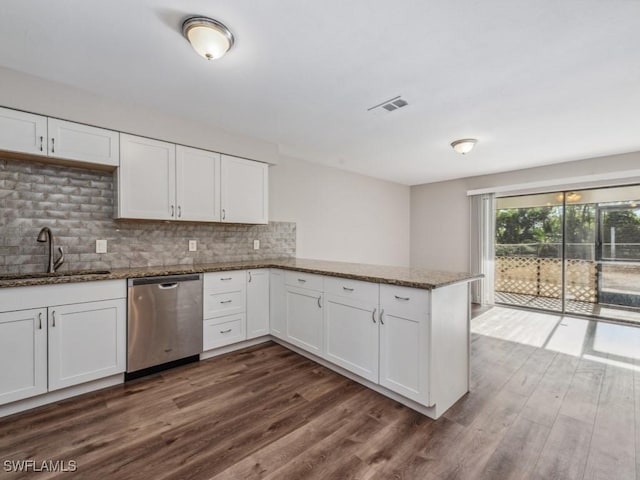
55	396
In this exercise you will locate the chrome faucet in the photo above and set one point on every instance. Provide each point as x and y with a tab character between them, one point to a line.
45	235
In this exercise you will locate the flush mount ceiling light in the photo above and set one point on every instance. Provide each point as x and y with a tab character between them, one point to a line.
464	146
208	37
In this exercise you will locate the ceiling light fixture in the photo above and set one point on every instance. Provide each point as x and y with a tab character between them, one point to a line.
464	146
208	37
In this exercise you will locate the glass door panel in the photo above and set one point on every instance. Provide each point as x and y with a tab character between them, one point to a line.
529	239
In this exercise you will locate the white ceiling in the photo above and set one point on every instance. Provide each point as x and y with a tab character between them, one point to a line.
537	82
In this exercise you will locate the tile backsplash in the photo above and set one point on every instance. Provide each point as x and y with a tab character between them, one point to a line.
77	205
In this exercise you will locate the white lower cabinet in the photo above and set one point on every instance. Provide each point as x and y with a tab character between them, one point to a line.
257	303
46	347
222	331
351	335
404	342
277	301
23	354
86	342
304	318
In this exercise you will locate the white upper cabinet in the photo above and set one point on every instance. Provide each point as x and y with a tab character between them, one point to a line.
74	141
39	135
146	179
244	190
23	132
197	184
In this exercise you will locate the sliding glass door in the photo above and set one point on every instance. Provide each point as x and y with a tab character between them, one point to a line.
575	252
529	237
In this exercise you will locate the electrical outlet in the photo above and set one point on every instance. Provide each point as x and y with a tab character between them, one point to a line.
256	244
101	246
193	245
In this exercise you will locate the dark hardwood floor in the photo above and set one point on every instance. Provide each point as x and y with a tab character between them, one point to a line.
268	413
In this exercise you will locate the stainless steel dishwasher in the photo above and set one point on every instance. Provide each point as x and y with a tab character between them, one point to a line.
164	322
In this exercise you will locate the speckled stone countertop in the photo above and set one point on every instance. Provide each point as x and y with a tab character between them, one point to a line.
404	276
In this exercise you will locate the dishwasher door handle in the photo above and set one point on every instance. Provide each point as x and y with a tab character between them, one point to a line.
167	286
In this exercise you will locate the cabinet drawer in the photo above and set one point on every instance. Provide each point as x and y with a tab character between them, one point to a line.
304	280
404	302
223	331
222	282
219	304
345	287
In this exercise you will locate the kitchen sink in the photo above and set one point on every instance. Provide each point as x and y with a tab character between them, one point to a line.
70	273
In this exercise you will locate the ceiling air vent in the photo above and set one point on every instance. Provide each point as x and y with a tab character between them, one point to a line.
390	105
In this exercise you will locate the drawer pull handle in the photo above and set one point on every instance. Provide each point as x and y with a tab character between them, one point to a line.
347	289
302	280
406	299
226	331
373	315
40	321
53	145
249	277
381	317
225	279
319	301
168	286
53	318
41	140
226	301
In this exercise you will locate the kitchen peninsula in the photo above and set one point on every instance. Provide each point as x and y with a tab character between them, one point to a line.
403	332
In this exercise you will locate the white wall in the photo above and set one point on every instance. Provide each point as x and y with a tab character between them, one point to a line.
341	216
440	211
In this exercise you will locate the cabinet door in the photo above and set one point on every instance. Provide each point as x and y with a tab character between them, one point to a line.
197	185
404	355
87	341
304	319
351	335
75	141
257	303
244	190
277	302
23	132
23	354
146	179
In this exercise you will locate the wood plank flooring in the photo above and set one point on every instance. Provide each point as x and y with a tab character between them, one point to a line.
268	413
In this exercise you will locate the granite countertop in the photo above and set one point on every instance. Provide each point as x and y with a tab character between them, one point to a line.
403	276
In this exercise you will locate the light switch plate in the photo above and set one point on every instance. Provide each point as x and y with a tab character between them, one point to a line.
256	244
193	245
101	246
